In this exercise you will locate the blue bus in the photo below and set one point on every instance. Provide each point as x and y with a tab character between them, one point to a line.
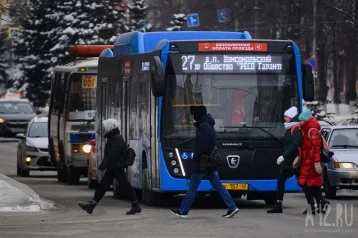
149	80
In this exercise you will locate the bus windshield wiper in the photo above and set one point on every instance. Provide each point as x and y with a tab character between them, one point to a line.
255	127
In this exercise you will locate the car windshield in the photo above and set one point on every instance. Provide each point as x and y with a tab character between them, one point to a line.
38	129
345	137
82	92
233	100
16	108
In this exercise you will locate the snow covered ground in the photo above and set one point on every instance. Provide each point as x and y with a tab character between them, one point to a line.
18	197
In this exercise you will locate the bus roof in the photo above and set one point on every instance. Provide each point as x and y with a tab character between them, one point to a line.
138	42
88	63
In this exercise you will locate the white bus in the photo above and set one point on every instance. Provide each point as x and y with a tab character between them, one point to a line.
72	113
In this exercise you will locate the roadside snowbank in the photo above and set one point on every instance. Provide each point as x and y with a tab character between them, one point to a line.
15	196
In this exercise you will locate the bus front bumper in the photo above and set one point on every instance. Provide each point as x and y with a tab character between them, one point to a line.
79	161
242	186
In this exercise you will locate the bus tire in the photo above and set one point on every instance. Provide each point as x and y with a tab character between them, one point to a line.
149	197
61	175
52	153
61	167
73	176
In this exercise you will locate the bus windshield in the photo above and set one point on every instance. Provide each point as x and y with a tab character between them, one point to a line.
82	92
254	100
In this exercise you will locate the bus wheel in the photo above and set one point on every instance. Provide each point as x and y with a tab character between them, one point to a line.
73	175
61	175
149	197
52	153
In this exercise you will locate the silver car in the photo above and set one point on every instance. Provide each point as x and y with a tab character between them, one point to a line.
32	150
342	171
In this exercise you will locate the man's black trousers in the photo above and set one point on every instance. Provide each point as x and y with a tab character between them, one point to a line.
107	180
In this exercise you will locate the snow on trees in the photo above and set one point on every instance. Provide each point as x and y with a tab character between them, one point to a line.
177	22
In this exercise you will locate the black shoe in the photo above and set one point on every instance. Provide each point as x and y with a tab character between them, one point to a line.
232	213
178	213
305	212
277	208
324	205
88	207
135	209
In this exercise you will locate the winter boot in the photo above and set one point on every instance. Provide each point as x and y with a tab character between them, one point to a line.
324	205
277	208
314	208
135	209
88	207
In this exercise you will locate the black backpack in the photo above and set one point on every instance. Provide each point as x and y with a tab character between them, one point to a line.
326	154
129	156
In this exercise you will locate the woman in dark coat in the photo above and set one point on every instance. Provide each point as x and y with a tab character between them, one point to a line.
292	142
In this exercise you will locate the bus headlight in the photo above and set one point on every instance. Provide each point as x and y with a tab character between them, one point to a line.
87	148
176	170
2	120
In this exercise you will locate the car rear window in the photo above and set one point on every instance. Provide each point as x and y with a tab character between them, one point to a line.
16	108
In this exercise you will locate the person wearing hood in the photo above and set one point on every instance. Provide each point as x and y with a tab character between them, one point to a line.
311	168
205	143
114	164
292	142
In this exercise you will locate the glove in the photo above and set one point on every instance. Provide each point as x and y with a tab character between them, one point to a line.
280	160
318	168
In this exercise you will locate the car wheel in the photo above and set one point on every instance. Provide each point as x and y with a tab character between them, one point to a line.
329	191
18	169
21	172
24	173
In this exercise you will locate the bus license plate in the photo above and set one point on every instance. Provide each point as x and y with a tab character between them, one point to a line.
236	186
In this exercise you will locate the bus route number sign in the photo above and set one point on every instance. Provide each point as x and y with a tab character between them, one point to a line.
89	81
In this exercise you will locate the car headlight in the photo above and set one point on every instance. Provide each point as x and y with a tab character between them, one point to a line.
344	165
30	148
86	148
2	120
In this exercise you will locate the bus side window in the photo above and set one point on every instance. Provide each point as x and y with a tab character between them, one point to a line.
56	85
66	90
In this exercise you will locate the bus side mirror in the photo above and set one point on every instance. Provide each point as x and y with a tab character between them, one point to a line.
157	74
308	83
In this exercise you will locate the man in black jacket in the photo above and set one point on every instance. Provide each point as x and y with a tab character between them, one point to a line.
205	142
114	163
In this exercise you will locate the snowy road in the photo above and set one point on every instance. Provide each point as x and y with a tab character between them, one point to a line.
108	219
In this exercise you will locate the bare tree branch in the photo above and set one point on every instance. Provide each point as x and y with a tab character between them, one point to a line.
351	18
